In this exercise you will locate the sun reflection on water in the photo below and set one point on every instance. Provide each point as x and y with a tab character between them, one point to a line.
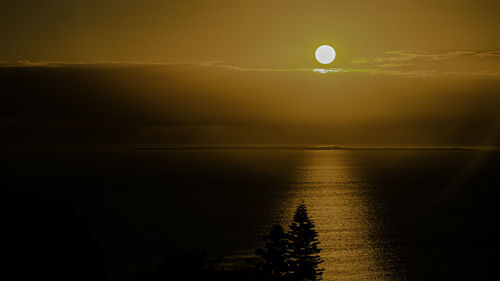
338	200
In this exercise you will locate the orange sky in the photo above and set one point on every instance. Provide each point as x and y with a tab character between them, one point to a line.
423	72
244	33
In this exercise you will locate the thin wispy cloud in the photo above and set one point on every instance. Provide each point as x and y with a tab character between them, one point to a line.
410	56
432	63
489	54
29	63
331	70
407	56
395	63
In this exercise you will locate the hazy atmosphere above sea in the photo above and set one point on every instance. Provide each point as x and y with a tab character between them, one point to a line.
235	140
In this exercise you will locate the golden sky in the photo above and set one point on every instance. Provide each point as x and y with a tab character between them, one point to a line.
244	33
423	72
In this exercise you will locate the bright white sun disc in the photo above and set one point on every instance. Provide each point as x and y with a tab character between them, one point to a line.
325	54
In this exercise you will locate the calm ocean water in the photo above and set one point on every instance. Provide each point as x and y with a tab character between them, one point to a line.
381	215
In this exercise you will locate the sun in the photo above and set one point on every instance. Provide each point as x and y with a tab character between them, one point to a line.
325	54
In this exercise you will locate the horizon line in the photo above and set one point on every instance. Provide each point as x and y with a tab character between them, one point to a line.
179	147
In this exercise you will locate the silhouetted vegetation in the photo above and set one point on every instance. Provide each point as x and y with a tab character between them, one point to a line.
293	255
275	252
44	239
303	247
186	265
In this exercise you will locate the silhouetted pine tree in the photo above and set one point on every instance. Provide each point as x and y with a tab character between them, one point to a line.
303	247
275	253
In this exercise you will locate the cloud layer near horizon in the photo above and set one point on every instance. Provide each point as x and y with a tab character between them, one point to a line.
216	103
395	63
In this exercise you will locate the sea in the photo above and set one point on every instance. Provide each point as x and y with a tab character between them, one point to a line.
380	213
